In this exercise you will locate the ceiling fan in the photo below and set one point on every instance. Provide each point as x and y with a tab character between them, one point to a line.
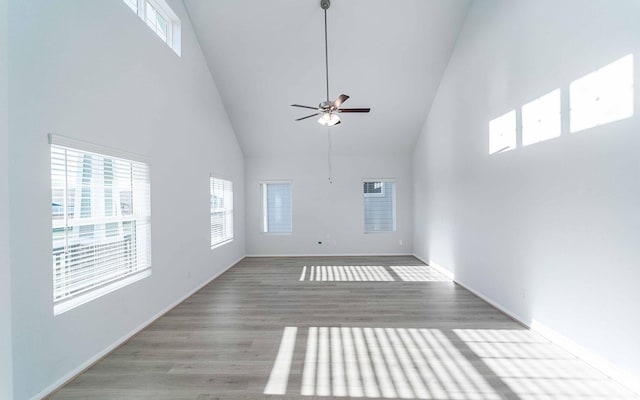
329	110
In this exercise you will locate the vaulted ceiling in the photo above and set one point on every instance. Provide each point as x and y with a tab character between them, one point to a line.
387	55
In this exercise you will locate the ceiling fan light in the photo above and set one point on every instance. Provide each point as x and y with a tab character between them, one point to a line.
329	119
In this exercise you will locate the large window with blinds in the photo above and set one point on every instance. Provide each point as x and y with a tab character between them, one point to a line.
101	222
379	206
276	207
221	192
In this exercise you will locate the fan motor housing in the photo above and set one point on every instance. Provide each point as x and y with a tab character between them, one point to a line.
325	105
325	4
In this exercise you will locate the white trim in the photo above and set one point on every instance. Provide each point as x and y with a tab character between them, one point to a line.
276	181
611	370
58	384
607	368
499	306
220	176
330	255
380	180
442	270
174	26
72	302
215	246
76	144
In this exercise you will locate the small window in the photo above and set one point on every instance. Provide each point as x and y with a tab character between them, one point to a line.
276	207
133	4
221	191
160	18
157	21
379	206
101	223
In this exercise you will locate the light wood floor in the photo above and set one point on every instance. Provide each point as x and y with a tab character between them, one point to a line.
336	327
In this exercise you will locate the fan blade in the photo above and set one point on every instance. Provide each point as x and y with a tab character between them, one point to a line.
339	100
308	116
354	110
309	107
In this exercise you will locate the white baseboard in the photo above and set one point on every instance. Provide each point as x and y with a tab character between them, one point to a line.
614	372
609	369
442	270
90	362
495	304
330	255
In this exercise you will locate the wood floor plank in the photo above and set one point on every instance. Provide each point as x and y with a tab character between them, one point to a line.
338	327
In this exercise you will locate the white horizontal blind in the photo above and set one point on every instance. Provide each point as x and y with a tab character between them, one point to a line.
379	206
221	191
101	220
276	200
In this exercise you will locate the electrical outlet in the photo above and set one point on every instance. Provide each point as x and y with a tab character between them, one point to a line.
400	241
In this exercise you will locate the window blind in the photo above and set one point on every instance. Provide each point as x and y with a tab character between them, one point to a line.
379	206
101	220
221	192
277	216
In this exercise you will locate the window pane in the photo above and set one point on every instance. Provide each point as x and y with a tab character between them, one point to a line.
277	208
221	192
151	15
161	25
100	217
379	210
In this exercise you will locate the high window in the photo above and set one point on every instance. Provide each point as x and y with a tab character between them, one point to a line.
160	18
276	207
101	222
221	191
379	206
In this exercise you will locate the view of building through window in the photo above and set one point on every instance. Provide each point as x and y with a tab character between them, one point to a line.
101	214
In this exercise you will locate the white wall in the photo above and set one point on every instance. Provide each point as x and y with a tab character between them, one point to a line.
332	213
5	271
92	70
548	231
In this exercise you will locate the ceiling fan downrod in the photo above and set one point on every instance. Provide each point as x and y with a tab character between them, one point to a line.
325	4
328	110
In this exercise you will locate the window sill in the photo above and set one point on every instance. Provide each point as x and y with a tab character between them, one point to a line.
69	304
216	245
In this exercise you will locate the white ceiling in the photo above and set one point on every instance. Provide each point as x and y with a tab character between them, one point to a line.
266	55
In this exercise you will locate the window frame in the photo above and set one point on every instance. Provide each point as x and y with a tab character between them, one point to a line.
373	194
90	293
394	204
174	26
224	241
263	208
